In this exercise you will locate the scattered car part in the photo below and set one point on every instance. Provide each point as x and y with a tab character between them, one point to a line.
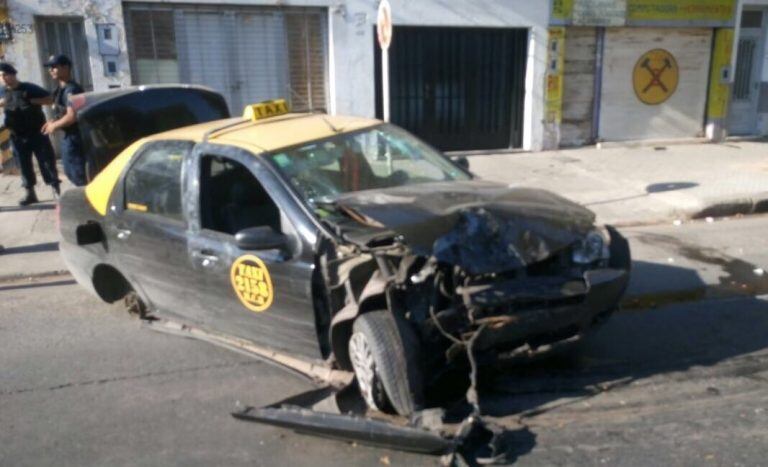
349	428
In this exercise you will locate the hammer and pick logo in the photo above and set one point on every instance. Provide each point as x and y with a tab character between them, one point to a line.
252	284
655	77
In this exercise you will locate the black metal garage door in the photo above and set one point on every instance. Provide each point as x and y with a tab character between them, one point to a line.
457	88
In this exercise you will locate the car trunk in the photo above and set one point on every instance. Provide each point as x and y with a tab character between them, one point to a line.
110	121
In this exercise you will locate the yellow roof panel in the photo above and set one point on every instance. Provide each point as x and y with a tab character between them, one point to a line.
272	133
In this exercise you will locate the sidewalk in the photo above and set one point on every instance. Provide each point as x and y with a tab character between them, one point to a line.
28	234
639	185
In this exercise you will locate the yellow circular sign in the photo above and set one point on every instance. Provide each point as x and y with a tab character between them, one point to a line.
252	284
655	77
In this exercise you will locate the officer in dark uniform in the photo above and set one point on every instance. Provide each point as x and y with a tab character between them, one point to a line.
65	119
24	117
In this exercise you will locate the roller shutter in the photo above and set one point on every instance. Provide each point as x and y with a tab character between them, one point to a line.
248	54
623	116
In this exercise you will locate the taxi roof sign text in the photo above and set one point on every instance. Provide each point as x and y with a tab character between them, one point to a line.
265	109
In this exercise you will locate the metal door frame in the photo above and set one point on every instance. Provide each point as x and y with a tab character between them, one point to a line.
757	70
82	64
517	97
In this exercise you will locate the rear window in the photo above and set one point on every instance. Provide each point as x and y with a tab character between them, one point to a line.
153	182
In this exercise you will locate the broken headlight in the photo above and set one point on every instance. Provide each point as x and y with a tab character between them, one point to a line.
593	247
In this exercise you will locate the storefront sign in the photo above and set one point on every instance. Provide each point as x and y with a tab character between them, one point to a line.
655	77
562	10
555	65
599	12
681	13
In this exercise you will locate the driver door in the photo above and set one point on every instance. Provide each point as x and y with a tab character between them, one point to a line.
264	296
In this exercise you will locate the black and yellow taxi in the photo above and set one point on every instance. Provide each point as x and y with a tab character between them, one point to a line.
343	241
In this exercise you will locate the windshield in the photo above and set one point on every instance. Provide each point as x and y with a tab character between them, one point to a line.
380	157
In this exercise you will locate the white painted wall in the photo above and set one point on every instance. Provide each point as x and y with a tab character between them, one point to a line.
23	51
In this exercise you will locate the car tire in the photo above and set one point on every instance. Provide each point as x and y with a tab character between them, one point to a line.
385	358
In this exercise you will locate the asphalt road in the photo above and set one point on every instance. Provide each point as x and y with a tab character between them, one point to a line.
81	383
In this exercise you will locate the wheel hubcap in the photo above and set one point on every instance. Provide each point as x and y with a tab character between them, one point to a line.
364	366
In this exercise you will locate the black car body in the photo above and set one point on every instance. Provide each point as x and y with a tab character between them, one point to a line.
394	280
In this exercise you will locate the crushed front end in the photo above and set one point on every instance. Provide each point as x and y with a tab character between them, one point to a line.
480	266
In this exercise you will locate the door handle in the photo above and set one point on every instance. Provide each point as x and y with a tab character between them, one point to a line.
206	257
123	234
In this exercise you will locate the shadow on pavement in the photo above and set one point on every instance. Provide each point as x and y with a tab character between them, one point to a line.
654	284
669	186
649	190
634	345
39	248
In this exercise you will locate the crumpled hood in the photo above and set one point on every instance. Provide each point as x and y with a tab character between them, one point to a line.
480	226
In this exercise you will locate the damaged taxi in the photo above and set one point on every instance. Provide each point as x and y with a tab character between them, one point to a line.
345	242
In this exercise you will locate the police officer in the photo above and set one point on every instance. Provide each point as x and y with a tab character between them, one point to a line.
24	117
65	119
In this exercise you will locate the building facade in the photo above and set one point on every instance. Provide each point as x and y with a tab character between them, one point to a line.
464	75
90	32
629	70
483	75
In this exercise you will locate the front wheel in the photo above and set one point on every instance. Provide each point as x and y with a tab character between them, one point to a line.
386	361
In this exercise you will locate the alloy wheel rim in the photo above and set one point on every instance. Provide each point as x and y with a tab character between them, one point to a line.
364	366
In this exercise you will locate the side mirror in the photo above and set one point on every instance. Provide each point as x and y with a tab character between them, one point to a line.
461	161
89	233
261	238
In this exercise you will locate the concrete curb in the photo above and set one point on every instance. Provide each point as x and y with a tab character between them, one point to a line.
729	208
744	206
648	143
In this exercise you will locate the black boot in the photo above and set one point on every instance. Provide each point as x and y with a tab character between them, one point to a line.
56	191
30	198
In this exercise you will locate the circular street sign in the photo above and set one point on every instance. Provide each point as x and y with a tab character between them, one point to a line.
655	77
384	24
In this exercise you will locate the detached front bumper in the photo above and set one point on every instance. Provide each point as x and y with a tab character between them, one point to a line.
562	313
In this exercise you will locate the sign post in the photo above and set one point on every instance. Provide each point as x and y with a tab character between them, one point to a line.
384	32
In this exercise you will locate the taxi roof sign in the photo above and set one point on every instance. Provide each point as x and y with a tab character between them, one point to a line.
265	109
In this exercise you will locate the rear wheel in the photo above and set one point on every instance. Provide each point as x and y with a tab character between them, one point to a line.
385	358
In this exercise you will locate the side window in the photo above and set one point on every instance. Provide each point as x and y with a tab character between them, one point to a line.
232	199
153	182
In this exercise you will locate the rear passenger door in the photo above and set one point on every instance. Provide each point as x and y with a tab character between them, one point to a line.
149	226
